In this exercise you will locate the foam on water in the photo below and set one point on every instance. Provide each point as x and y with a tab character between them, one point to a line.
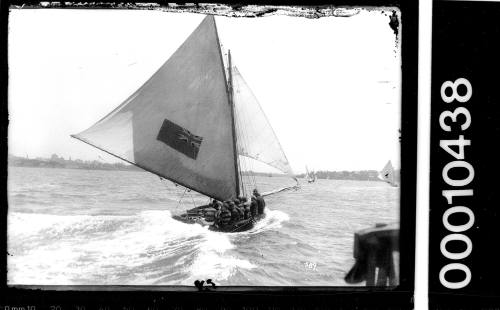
212	261
68	245
91	227
273	220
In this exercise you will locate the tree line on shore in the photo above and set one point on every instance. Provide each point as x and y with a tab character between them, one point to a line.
364	175
56	161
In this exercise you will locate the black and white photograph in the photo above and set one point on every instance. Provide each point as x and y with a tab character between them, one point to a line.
159	147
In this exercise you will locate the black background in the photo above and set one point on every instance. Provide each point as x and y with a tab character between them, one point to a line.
465	44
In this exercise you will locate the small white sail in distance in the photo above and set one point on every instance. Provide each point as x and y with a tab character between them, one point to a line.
307	176
387	174
310	176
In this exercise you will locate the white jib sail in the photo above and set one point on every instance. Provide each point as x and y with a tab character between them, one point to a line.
256	137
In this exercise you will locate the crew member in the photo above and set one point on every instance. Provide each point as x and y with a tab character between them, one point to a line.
235	214
239	207
261	204
246	207
253	207
225	214
217	217
209	213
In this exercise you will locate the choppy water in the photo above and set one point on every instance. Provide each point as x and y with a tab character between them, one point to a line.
70	226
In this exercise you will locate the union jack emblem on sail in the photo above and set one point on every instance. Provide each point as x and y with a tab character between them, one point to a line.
180	139
189	138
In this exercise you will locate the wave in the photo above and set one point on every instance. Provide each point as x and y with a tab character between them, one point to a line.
221	265
146	249
272	220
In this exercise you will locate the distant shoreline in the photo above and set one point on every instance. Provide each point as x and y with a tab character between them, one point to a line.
78	168
78	164
59	162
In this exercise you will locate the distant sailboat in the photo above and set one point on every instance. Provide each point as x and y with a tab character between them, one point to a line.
310	176
189	122
388	175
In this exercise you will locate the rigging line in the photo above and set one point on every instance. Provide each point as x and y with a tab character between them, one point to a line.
240	139
244	173
250	164
252	178
249	175
242	167
162	180
243	124
242	192
179	202
243	180
230	97
252	174
192	199
244	140
245	167
246	123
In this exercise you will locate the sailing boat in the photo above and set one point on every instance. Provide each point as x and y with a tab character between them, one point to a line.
189	123
388	175
310	176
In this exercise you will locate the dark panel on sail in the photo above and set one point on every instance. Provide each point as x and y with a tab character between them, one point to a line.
180	139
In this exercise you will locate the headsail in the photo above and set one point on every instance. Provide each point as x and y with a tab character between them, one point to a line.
387	174
178	124
256	137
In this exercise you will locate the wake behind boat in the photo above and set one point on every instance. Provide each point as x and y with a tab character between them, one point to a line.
190	123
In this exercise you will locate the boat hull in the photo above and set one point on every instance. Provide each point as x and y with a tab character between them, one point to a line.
243	225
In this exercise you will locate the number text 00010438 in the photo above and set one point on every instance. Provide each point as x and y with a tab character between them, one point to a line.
461	118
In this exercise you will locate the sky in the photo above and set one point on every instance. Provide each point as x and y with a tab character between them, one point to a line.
330	87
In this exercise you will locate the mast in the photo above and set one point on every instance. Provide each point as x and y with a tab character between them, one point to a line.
231	104
229	89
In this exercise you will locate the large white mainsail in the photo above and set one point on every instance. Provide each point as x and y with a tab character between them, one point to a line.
188	123
178	125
